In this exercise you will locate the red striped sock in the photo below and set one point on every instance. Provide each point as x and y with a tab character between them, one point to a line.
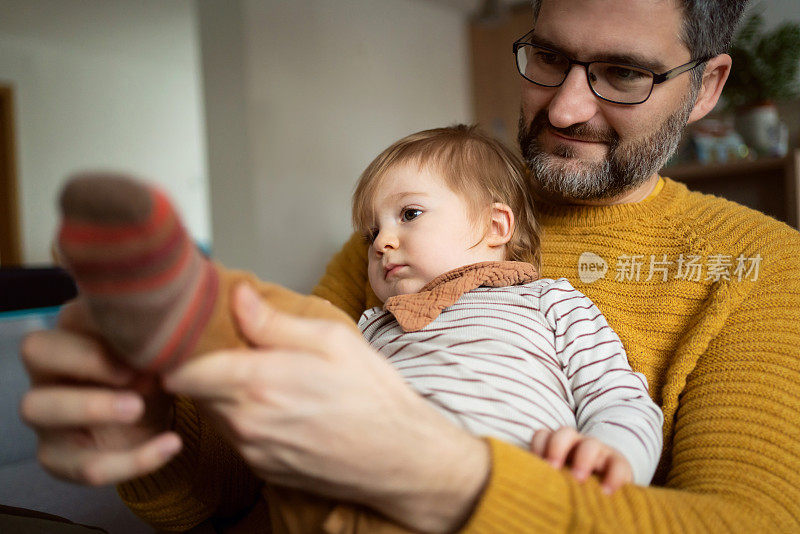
149	288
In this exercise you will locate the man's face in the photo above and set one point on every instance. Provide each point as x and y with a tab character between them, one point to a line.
579	147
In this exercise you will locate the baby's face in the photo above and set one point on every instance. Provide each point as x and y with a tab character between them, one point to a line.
421	230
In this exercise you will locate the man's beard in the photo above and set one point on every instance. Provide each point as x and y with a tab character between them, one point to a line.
561	176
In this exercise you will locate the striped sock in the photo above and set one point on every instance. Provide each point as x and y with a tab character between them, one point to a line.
148	287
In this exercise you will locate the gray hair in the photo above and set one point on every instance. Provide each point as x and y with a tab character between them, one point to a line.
707	31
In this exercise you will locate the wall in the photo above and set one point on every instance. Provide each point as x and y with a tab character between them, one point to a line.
319	89
776	11
103	83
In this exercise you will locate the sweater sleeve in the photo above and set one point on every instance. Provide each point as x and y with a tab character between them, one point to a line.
612	403
735	461
207	479
345	283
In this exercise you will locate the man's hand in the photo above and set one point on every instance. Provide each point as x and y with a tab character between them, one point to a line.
97	422
317	409
584	454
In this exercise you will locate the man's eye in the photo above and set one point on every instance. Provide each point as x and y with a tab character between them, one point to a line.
409	214
626	75
547	58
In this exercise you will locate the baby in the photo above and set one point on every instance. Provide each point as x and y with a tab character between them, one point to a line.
497	350
473	329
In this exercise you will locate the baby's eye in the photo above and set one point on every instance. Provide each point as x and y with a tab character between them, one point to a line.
370	234
409	214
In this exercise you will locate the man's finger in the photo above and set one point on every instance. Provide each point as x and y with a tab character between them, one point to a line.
220	376
97	468
65	407
76	316
264	326
56	355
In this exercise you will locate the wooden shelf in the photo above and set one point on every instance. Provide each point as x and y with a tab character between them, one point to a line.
768	184
687	172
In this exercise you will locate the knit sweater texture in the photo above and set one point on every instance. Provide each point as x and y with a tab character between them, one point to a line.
719	348
507	361
721	357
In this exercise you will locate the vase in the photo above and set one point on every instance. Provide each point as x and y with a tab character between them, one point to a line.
762	130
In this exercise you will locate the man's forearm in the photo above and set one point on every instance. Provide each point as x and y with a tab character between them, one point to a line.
440	492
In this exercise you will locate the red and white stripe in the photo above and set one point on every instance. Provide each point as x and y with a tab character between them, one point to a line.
504	362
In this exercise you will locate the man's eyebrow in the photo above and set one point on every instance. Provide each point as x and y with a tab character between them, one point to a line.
626	58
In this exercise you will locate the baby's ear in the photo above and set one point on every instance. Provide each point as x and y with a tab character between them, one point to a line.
501	225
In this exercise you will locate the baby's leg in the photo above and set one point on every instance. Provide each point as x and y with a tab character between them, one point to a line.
295	512
157	300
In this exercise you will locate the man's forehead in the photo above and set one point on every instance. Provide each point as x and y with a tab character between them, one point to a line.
600	29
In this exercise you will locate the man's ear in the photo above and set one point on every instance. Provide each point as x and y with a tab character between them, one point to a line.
501	225
714	76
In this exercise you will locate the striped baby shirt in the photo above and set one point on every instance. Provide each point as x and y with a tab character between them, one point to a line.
506	361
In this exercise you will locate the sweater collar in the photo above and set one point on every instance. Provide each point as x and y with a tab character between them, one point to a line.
415	311
660	203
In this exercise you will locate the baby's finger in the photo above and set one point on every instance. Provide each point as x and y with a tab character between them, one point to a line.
588	455
539	441
618	473
559	446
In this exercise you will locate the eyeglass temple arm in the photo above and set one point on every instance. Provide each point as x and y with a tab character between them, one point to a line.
519	41
660	78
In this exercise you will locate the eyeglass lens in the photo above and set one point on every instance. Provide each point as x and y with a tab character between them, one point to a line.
618	83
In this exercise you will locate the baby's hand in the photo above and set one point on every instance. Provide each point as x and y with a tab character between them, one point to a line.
585	455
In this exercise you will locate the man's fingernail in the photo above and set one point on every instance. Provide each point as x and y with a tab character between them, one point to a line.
128	407
608	490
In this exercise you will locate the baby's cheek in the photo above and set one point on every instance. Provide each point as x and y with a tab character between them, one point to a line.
376	283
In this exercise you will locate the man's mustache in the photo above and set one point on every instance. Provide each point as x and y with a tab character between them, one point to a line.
582	131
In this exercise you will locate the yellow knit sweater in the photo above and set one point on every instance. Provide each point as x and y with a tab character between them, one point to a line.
720	349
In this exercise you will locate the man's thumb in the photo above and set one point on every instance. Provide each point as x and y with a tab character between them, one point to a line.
266	327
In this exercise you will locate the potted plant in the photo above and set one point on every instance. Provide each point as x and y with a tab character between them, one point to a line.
765	71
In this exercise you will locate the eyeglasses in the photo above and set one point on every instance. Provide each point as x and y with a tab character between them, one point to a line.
613	82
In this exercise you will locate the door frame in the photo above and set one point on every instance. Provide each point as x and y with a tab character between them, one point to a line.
10	241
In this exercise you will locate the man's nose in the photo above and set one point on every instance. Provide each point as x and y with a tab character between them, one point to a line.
574	102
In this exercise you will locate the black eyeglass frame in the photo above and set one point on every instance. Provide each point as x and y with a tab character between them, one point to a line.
657	78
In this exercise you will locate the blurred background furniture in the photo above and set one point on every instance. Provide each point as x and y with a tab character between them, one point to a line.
29	300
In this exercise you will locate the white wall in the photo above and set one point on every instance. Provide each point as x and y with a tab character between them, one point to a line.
103	83
776	11
322	86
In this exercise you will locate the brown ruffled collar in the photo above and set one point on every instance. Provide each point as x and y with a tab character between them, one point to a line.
415	311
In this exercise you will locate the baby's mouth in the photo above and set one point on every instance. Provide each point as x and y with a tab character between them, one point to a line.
391	269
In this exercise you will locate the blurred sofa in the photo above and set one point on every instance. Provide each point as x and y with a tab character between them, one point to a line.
29	300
